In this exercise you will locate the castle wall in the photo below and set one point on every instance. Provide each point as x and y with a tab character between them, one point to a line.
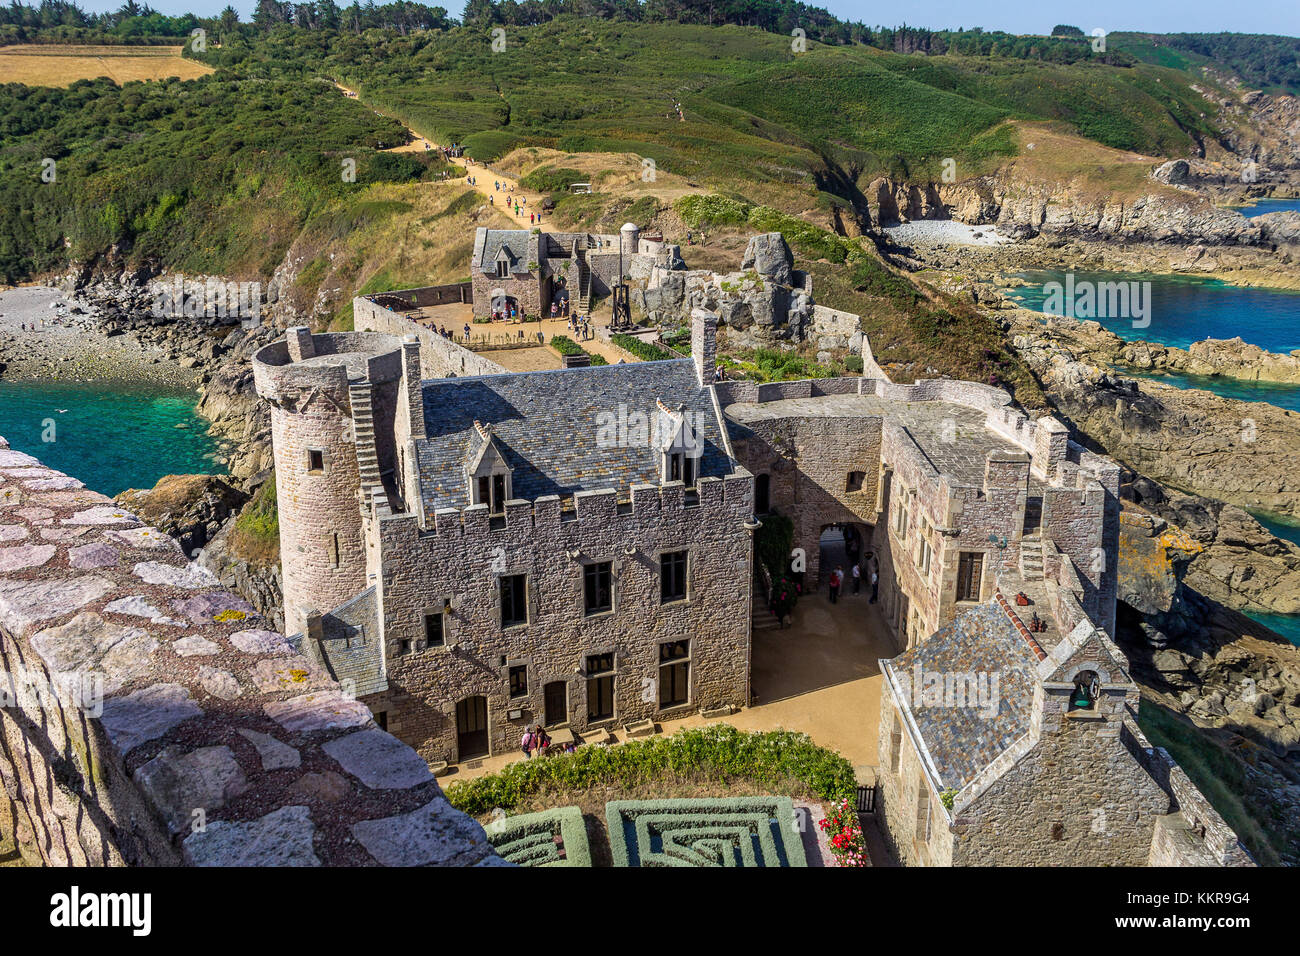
439	357
809	460
461	557
148	718
900	781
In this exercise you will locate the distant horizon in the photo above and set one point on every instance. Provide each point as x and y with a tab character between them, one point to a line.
1278	17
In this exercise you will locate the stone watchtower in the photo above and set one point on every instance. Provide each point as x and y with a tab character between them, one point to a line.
333	398
629	240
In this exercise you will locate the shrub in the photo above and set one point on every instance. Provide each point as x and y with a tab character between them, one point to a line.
704	832
645	351
530	839
719	751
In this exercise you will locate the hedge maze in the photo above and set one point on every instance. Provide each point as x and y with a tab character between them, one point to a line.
722	831
556	837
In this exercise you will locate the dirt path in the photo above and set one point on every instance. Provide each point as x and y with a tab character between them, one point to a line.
501	190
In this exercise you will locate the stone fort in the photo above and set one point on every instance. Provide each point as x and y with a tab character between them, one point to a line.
467	550
472	551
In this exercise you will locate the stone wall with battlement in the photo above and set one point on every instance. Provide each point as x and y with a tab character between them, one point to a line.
147	717
457	560
439	357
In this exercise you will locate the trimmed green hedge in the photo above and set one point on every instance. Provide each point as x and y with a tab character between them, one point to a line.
566	346
529	839
645	351
705	832
719	752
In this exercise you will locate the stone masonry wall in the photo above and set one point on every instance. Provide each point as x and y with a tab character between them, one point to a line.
461	559
808	460
439	357
1076	799
181	730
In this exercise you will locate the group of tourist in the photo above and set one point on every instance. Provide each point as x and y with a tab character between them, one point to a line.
859	569
537	740
580	326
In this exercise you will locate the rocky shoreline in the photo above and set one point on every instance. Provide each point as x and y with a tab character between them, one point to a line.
107	331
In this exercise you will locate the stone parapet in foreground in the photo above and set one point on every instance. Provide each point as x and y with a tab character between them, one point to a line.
148	717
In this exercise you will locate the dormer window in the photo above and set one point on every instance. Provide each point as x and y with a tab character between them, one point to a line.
503	269
679	445
681	467
491	491
489	474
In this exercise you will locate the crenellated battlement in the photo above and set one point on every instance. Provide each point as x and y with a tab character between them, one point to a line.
645	504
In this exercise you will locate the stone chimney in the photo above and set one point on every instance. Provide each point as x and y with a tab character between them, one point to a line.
300	344
704	344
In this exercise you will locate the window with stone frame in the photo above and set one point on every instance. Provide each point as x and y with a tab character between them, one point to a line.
316	460
895	742
854	481
434	636
923	550
970	569
922	811
514	599
598	587
600	686
674	673
503	269
672	576
518	678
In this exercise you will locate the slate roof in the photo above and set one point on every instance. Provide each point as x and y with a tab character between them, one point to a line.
515	242
351	644
963	740
546	425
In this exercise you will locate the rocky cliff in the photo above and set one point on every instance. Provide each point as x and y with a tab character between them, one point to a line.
1244	453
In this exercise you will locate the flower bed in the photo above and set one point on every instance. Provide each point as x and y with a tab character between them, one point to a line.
645	351
845	833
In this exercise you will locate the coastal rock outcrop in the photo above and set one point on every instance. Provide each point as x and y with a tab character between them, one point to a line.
1244	453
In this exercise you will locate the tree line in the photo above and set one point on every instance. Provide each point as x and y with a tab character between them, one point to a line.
65	21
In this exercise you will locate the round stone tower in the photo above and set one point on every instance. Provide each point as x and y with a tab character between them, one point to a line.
331	397
628	238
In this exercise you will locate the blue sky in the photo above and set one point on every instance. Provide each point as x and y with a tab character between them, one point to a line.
1014	16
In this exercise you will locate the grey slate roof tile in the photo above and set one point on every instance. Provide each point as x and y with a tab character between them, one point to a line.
962	741
546	423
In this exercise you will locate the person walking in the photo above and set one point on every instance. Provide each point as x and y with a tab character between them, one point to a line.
466	331
875	584
857	577
836	577
526	744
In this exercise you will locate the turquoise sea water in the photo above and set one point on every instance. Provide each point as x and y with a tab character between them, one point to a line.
1288	625
1283	396
1265	206
1186	309
111	437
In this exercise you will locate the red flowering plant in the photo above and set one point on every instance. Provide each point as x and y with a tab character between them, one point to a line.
845	832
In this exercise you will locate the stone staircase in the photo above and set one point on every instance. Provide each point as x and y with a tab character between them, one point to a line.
1031	558
363	426
583	304
760	618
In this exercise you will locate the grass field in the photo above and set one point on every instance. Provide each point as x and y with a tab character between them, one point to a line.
50	65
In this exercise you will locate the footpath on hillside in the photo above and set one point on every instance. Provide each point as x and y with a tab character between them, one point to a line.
498	187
